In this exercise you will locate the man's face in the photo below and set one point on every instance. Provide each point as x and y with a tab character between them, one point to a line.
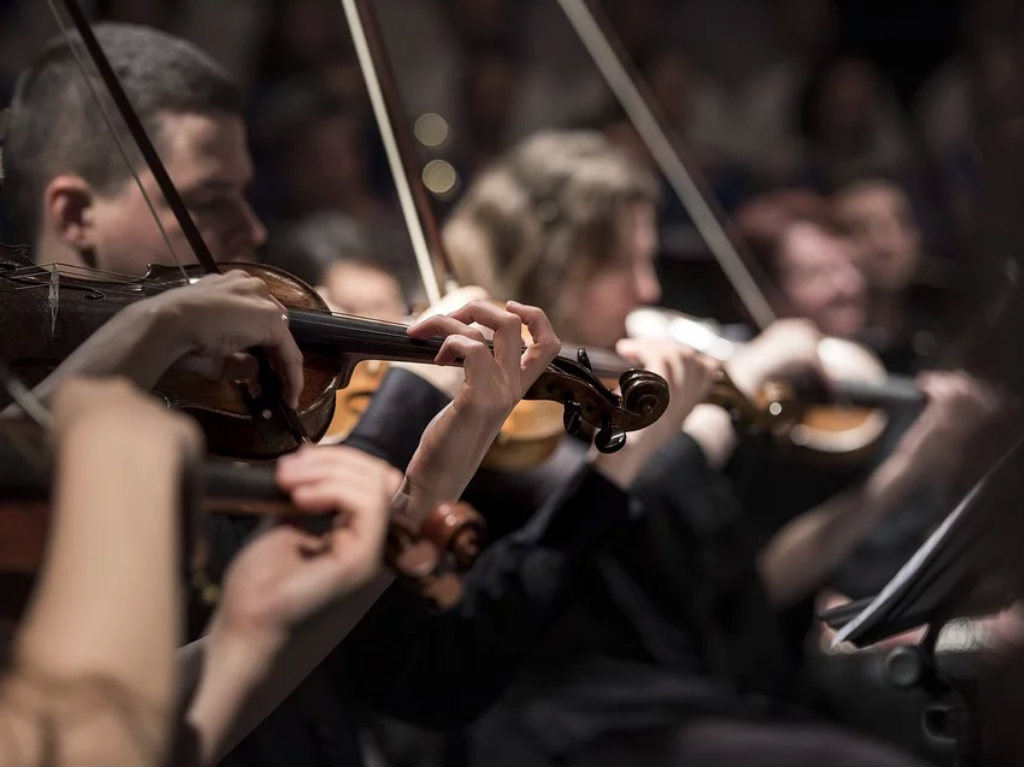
818	278
207	158
880	220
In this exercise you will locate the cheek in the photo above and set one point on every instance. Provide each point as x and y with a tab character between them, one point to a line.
605	303
803	296
126	236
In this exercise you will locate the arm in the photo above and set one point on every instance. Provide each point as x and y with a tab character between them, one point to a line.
806	551
802	555
442	669
104	679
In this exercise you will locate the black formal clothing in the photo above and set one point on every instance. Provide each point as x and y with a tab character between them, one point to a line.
438	669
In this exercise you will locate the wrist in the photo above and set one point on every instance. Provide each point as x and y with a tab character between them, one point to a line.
167	323
243	654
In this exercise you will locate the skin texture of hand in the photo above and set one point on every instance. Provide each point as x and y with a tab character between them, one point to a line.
285	574
456	441
291	595
689	376
447	379
219	316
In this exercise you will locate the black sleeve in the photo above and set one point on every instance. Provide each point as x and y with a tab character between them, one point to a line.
679	480
399	412
443	669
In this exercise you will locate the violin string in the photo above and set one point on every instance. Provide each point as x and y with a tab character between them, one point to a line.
70	270
122	149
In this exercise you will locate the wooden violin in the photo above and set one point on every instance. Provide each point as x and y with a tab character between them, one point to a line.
431	557
840	419
48	312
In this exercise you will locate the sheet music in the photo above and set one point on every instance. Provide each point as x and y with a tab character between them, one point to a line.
910	571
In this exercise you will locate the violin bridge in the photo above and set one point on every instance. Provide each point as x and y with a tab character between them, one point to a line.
53	300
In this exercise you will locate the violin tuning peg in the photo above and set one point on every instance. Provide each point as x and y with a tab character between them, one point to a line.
610	439
584	359
572	417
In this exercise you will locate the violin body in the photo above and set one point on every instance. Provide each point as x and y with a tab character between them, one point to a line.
841	425
48	314
352	401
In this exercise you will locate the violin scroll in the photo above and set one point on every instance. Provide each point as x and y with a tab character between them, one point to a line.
433	557
644	397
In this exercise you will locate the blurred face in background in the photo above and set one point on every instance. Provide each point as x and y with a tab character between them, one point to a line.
598	300
878	217
816	273
350	287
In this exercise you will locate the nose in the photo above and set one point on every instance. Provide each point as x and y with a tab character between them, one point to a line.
646	284
257	232
849	281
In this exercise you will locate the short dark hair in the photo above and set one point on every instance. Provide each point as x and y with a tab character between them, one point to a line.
55	125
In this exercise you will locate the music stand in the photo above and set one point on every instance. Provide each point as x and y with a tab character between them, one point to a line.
950	576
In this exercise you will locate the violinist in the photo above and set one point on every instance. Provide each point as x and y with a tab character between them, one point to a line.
817	267
567	221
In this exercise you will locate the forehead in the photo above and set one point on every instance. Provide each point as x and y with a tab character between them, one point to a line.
872	200
199	149
807	244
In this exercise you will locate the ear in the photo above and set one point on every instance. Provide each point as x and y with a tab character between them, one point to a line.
68	211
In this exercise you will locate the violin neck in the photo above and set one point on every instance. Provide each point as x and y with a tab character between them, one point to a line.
895	392
361	338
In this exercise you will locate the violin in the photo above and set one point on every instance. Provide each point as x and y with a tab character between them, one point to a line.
431	558
839	420
49	311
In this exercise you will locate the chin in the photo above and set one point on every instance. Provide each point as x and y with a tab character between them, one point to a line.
847	325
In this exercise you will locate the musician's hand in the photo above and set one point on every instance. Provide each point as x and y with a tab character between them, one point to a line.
447	379
959	408
287	575
786	349
456	441
689	376
210	324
